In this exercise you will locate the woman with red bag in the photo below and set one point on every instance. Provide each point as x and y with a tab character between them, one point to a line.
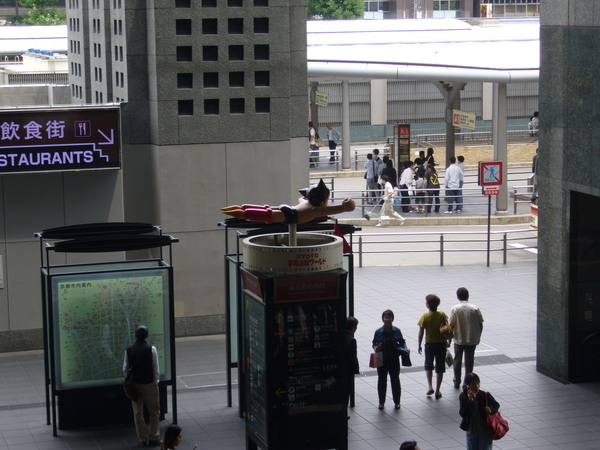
475	406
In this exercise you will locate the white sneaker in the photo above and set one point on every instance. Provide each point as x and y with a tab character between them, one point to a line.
458	211
447	212
402	222
379	224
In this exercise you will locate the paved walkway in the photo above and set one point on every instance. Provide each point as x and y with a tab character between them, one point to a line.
543	413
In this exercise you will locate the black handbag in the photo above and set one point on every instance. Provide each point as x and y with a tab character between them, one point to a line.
405	357
129	388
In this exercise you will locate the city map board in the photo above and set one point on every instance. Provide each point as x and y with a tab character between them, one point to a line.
95	317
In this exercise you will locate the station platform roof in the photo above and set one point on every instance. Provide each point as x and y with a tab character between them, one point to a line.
16	40
481	50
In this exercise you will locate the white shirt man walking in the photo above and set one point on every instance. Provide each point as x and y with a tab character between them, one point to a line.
467	323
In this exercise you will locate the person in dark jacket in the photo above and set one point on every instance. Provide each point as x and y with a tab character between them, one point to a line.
391	173
351	355
141	360
475	404
389	340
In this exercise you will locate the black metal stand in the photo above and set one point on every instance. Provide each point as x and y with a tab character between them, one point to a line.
96	238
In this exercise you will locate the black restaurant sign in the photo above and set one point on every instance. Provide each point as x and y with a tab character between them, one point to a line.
60	139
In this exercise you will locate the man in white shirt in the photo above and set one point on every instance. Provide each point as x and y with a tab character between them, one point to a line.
467	324
407	178
452	181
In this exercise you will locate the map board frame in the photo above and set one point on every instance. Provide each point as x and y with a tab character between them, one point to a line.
71	289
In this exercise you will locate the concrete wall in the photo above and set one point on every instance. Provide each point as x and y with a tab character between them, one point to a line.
31	203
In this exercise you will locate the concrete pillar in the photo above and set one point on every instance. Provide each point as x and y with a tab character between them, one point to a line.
499	132
451	94
378	102
314	109
346	150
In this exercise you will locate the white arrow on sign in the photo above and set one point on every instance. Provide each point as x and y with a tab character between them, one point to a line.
109	140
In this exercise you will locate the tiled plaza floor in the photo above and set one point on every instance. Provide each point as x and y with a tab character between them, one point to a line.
543	413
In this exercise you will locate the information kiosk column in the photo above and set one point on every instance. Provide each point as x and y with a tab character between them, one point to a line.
295	334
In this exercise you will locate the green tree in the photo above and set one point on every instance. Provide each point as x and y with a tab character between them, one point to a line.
335	9
41	13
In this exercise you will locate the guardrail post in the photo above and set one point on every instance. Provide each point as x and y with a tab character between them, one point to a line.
441	249
515	200
505	247
332	189
360	251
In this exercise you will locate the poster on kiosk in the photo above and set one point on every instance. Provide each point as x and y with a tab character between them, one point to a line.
294	357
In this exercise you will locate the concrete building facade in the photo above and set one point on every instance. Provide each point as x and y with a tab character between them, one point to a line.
214	112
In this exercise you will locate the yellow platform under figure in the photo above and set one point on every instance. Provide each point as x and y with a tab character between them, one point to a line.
312	204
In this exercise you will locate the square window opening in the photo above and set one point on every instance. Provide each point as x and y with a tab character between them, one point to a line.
262	78
210	53
211	106
236	79
183	27
261	52
237	106
236	53
262	104
261	24
184	53
211	79
210	26
185	107
235	26
185	81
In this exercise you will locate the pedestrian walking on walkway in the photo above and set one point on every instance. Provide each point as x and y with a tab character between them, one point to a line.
435	343
466	321
388	202
389	340
475	405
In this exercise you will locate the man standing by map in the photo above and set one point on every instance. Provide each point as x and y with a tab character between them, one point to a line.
141	360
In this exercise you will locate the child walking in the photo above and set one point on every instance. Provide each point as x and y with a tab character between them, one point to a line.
388	202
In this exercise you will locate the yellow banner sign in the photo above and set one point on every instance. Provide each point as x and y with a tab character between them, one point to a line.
321	98
463	119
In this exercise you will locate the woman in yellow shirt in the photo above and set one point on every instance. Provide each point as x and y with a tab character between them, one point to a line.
435	343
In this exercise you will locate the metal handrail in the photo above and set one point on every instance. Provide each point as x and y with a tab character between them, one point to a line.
517	192
361	197
443	235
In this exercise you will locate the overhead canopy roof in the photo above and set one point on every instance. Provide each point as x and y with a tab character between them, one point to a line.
16	40
424	49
